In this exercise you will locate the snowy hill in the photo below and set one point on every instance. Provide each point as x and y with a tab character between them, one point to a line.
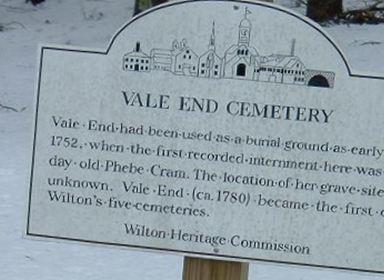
91	23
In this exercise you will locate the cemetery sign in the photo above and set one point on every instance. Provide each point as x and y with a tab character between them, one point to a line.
230	129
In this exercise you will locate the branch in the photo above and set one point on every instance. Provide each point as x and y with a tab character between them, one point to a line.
378	3
8	108
304	2
17	9
8	25
373	14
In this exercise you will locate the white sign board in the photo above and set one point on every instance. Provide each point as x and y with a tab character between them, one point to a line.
230	129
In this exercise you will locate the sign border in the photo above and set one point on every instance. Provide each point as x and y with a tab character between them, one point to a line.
166	5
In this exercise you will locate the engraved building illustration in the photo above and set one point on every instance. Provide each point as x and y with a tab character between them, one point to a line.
239	61
136	60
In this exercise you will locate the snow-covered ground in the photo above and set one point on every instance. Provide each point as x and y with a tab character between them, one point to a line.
91	23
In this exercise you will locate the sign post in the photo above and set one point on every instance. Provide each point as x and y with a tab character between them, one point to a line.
227	135
207	269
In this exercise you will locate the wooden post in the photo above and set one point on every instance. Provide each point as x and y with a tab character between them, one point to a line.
207	269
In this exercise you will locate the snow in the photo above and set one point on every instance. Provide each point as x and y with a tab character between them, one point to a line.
91	23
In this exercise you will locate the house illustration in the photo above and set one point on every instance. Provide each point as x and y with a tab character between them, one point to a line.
136	60
287	69
162	59
239	61
186	60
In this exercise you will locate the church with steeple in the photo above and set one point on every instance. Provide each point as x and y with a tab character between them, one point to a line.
241	59
210	64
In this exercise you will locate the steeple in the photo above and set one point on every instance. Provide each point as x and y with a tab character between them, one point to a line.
245	29
211	45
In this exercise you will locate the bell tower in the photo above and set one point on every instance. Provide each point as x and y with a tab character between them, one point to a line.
245	29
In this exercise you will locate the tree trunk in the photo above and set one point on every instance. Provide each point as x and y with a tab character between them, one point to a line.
322	10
